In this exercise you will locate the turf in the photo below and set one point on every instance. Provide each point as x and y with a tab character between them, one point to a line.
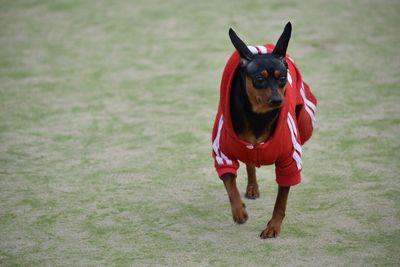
106	110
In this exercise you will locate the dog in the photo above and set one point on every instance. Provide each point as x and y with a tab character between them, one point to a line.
266	113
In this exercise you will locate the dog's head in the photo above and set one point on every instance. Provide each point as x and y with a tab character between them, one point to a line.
265	74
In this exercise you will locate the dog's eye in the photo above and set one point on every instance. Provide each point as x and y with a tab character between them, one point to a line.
258	81
282	81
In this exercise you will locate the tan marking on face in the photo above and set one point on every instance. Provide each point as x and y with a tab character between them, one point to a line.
264	73
259	99
277	73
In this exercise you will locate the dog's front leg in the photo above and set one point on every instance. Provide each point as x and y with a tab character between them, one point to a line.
274	225
239	213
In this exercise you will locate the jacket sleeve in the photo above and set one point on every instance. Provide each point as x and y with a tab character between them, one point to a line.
306	113
287	173
289	164
223	164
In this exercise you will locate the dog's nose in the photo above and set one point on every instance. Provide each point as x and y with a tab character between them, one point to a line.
276	100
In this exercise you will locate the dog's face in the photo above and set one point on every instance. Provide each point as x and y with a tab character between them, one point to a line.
266	78
265	74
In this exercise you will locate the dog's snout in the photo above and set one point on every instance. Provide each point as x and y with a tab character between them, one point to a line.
276	100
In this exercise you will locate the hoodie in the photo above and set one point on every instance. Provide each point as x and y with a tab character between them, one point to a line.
292	130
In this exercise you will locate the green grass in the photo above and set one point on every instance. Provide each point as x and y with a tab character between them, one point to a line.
106	110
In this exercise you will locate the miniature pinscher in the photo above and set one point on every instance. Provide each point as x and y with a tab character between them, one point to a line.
266	113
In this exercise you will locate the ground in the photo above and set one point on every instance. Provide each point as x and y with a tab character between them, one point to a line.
106	111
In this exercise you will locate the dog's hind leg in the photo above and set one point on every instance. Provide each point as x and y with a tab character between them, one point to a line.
252	191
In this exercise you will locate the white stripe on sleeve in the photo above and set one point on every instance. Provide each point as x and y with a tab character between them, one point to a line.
219	156
297	147
308	105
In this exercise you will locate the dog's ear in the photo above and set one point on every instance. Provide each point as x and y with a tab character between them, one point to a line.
244	52
282	44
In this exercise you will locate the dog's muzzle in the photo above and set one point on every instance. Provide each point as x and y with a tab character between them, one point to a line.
276	100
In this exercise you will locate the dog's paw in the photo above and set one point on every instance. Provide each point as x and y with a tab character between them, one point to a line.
252	192
273	230
239	213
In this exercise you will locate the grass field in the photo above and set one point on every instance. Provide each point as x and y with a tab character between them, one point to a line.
106	110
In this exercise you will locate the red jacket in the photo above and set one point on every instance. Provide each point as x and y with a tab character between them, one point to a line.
283	148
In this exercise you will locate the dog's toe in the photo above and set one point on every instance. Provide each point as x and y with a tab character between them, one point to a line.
272	230
252	192
240	219
239	214
269	233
